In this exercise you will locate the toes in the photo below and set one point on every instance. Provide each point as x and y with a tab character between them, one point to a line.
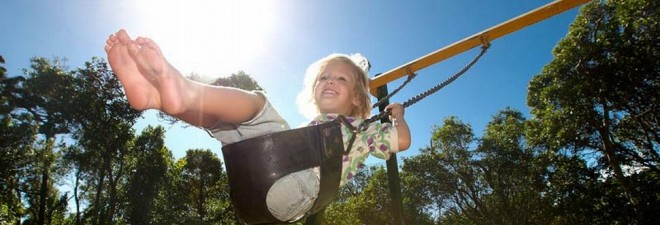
111	42
133	49
143	41
140	40
108	48
123	37
147	42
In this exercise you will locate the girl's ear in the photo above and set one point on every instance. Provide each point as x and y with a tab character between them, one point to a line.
356	101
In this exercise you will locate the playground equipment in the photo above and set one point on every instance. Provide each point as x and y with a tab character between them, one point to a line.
253	165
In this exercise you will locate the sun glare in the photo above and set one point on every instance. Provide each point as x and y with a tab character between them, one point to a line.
208	37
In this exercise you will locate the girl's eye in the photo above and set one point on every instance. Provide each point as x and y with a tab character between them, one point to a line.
342	78
323	78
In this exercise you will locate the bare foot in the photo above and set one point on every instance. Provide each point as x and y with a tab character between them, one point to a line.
169	82
141	93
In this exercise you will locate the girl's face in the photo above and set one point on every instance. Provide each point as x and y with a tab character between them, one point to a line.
334	91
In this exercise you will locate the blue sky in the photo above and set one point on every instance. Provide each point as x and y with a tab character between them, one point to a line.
275	41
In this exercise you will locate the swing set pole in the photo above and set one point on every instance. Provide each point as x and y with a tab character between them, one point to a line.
482	38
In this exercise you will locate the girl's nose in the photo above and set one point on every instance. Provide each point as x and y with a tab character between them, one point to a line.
331	81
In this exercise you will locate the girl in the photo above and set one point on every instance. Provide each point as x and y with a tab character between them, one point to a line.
336	85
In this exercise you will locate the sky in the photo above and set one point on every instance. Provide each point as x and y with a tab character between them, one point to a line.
275	41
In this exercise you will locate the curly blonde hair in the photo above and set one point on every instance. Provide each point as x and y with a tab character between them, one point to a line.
305	100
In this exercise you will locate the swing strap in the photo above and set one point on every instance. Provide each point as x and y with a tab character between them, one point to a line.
343	120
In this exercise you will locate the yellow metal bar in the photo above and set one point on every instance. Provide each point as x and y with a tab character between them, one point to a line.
522	21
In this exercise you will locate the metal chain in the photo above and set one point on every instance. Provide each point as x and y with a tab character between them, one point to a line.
365	124
423	95
419	97
382	100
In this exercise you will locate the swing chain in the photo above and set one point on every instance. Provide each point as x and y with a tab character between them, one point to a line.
411	75
365	124
425	94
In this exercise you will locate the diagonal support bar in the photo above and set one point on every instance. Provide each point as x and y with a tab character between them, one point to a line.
484	37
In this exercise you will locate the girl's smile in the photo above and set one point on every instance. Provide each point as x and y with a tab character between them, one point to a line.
334	91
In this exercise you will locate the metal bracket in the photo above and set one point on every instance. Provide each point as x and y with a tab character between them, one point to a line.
484	41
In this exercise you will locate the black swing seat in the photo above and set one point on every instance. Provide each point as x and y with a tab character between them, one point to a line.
253	166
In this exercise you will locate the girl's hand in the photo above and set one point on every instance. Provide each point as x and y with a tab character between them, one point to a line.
396	116
396	110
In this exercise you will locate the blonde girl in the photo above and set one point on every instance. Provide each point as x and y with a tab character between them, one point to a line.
336	85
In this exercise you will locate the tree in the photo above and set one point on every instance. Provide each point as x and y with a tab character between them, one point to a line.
600	94
18	131
171	204
103	133
205	186
513	171
42	98
238	80
149	171
373	205
500	181
443	174
344	210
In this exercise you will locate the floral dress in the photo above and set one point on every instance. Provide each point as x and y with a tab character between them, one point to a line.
379	140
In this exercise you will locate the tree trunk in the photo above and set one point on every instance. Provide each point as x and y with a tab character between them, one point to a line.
201	200
75	197
97	201
609	149
45	176
112	205
18	197
43	195
618	173
113	179
110	213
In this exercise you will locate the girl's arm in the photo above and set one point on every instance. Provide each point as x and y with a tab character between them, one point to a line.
399	122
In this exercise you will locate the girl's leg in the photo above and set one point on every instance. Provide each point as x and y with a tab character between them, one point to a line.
293	195
152	83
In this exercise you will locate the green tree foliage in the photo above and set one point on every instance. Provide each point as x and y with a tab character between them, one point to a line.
43	100
365	199
600	94
152	160
205	186
169	207
443	175
514	171
373	205
17	133
340	213
500	181
48	104
103	120
238	80
350	205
